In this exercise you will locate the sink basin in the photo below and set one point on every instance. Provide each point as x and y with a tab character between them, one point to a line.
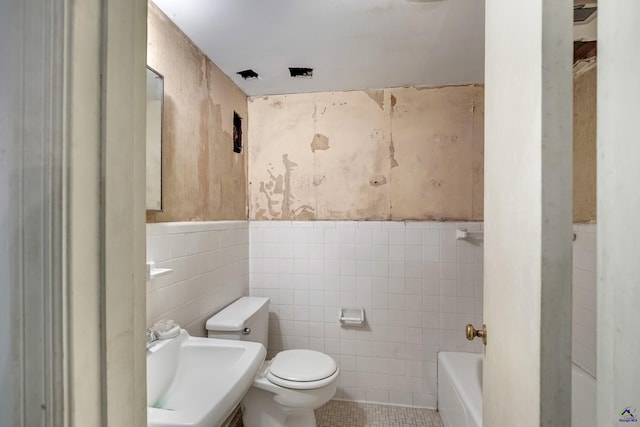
198	382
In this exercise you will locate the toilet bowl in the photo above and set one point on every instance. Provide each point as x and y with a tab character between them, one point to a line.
294	400
287	388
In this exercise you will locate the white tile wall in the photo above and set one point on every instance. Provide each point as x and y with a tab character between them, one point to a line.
584	297
210	262
418	284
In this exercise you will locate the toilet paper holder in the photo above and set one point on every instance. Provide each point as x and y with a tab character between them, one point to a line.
351	316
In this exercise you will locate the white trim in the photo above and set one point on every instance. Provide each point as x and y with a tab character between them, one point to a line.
31	221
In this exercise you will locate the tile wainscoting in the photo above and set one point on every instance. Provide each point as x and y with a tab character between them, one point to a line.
418	284
210	263
419	287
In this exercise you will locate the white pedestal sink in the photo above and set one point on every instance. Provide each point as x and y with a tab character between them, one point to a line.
198	381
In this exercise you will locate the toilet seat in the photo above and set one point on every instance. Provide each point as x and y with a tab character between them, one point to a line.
302	369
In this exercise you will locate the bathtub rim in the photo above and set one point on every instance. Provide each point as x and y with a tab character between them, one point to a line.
583	393
470	394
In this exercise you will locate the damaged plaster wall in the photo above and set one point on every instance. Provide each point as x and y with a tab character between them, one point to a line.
584	146
438	136
392	154
203	179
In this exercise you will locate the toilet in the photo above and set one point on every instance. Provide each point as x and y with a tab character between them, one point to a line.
286	388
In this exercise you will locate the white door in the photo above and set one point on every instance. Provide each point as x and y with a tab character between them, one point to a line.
618	369
528	213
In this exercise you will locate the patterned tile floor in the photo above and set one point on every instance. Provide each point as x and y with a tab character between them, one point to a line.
338	413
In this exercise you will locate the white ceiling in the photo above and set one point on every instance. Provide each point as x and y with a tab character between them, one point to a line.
350	44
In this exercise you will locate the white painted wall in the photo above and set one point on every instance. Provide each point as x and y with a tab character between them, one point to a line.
72	195
618	210
84	244
26	220
527	294
121	185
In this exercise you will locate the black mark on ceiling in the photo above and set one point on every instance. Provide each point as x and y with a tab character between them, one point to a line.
297	72
237	133
248	74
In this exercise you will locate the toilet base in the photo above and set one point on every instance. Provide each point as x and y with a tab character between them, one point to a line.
259	409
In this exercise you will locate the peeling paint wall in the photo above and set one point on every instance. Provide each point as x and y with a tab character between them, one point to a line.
392	154
389	154
584	146
202	178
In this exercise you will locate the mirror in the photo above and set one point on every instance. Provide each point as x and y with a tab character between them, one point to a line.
155	96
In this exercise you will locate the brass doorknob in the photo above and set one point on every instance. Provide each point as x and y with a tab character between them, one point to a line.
472	333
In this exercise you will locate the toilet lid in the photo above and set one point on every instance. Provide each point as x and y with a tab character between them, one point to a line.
302	365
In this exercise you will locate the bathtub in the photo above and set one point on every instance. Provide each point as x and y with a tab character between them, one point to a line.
460	392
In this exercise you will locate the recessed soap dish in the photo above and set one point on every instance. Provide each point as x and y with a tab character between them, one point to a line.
352	316
154	272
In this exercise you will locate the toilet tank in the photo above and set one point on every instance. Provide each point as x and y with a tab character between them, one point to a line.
246	319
